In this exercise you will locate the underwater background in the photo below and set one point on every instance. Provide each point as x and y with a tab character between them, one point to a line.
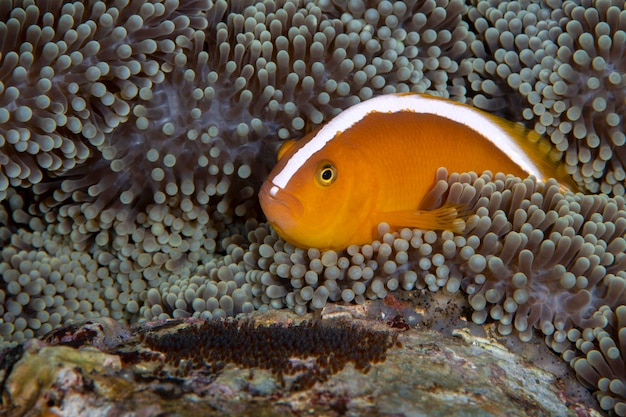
134	137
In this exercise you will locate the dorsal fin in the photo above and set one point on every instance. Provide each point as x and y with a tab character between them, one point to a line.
547	158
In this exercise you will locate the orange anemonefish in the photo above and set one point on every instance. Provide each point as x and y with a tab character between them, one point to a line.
376	161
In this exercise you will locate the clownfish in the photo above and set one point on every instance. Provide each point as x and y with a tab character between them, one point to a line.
376	161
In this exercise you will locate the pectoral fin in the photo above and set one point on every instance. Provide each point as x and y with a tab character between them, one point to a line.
284	147
448	217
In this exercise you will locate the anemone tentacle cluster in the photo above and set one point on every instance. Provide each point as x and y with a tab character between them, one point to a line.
599	358
70	71
546	260
565	61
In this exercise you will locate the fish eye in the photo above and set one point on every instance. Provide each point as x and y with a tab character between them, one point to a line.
327	174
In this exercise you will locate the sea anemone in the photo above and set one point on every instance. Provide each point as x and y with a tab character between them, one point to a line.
544	260
599	358
165	117
566	61
68	73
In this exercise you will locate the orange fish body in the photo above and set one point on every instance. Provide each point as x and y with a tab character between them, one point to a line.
376	161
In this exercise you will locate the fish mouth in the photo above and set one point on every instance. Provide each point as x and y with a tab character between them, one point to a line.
279	206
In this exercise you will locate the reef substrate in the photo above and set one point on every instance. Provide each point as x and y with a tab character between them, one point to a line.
100	367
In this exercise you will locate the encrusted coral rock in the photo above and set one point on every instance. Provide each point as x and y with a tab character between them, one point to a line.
230	368
33	370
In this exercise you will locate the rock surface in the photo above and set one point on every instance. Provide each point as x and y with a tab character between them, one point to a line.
99	368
